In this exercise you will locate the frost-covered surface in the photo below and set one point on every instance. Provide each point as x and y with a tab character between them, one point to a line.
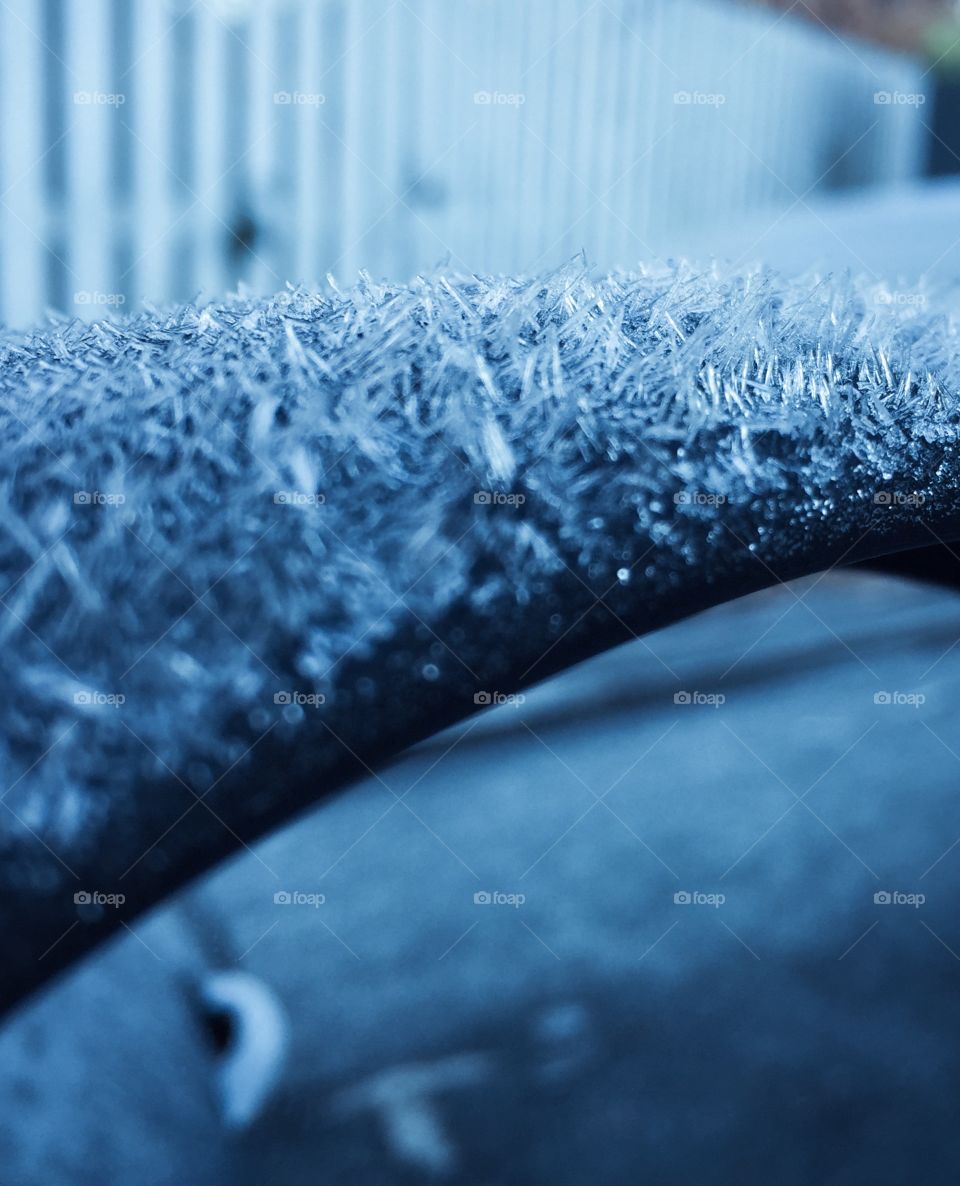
203	508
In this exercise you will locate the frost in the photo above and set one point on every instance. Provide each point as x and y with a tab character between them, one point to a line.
202	505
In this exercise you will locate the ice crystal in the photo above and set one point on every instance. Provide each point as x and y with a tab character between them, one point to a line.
207	512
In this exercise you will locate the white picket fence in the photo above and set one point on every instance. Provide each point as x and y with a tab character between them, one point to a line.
161	149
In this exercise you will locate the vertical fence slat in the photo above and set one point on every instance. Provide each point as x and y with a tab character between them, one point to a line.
631	147
308	111
560	214
23	211
381	187
448	101
266	86
464	166
210	205
581	164
504	73
655	137
354	81
151	124
427	248
394	118
92	110
538	84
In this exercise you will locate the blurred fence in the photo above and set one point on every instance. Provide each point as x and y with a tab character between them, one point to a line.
163	148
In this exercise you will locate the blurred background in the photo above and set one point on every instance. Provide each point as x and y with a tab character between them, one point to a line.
164	150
